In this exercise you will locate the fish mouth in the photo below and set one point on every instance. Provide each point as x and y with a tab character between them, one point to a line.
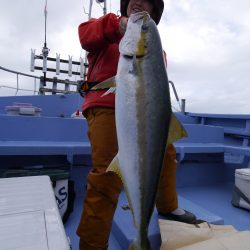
134	45
135	10
131	57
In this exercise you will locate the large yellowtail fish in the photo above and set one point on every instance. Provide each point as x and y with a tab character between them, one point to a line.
143	117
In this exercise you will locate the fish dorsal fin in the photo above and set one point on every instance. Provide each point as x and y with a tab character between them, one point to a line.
106	84
176	130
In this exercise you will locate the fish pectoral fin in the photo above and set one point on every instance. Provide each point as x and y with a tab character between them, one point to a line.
108	83
176	130
109	91
115	167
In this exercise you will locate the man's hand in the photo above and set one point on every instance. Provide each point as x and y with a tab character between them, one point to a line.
123	25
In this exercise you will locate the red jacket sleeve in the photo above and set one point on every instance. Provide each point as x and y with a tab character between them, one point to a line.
97	33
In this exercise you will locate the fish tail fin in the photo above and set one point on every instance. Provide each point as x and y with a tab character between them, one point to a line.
176	130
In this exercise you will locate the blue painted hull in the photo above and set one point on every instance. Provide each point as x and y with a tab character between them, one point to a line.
217	145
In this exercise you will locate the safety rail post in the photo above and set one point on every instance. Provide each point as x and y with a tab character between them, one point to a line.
54	85
42	85
183	105
17	73
66	85
57	69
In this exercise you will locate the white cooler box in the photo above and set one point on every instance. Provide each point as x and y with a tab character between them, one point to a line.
63	187
29	216
241	192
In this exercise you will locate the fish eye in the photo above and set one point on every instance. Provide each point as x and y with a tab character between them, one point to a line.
144	28
133	57
128	56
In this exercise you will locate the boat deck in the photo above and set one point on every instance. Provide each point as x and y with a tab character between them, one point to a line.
216	146
217	200
210	202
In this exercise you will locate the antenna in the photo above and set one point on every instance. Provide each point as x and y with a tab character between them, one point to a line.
45	50
57	69
45	15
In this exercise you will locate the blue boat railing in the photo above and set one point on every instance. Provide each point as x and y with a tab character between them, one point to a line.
42	86
67	84
17	80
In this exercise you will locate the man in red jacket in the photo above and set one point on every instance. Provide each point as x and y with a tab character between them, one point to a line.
101	37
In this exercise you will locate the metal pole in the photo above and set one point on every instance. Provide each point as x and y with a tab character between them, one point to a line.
90	8
45	49
41	92
17	84
54	86
105	7
34	86
45	14
183	105
175	93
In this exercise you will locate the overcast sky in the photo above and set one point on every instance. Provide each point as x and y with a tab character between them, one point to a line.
207	44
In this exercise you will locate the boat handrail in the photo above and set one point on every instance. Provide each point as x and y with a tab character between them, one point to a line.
67	82
18	73
17	80
42	88
183	101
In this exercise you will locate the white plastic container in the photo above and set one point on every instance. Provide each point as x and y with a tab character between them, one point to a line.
29	216
23	109
61	195
241	193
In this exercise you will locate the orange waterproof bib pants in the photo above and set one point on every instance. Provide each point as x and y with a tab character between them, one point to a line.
103	187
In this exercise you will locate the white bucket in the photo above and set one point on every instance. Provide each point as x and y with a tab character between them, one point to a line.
241	193
61	194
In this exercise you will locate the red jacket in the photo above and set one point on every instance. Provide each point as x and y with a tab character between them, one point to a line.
100	37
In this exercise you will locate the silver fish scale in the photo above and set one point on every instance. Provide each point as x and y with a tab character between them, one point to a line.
143	113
